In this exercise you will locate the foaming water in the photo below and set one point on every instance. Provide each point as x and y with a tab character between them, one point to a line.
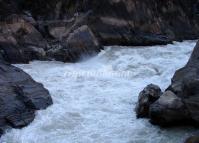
99	107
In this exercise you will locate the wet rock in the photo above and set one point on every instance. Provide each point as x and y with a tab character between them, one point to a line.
20	97
179	104
168	110
185	84
149	95
79	43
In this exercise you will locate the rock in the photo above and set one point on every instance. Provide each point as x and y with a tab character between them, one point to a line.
20	97
40	31
80	43
185	84
149	95
179	104
129	22
168	110
193	139
20	41
114	22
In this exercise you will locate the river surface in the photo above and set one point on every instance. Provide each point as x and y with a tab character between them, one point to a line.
94	99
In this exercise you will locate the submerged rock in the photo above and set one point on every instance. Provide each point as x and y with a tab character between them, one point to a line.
149	95
20	97
168	110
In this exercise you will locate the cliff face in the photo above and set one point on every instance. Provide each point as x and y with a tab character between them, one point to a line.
109	22
126	22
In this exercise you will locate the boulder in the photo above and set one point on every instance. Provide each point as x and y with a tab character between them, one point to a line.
149	95
20	97
20	41
79	43
179	104
168	110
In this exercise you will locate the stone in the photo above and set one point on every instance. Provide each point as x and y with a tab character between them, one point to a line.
20	41
117	22
168	110
149	95
20	97
80	43
179	104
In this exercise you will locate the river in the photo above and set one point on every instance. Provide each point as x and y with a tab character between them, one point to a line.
94	99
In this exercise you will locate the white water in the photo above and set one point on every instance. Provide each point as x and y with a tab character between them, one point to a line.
100	109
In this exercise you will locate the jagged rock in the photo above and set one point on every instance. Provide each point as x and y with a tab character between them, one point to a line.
129	22
20	42
185	84
20	97
179	104
81	42
168	110
149	95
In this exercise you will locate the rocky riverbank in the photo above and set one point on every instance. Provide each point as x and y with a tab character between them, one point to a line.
20	97
69	30
178	105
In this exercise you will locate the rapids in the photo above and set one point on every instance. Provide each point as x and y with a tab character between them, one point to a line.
94	99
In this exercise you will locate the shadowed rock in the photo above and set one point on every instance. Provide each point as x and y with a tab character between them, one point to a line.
20	97
149	95
168	110
179	104
20	42
79	43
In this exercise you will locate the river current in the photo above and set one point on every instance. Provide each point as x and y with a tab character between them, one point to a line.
94	99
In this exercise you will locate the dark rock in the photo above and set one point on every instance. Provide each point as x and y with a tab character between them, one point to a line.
32	29
149	95
168	110
179	104
20	97
185	84
80	43
129	22
20	42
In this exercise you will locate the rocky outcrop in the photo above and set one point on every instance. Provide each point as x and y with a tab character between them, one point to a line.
20	42
20	97
179	104
129	22
40	30
80	43
147	97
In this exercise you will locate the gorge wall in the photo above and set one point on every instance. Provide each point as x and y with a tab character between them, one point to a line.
110	22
